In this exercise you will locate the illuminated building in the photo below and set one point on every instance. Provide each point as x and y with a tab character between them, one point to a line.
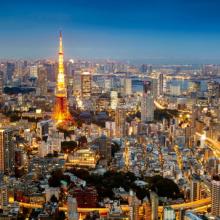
84	158
86	196
147	103
86	85
154	205
169	213
120	122
127	86
34	71
3	196
134	205
195	188
114	99
61	110
215	196
147	210
7	157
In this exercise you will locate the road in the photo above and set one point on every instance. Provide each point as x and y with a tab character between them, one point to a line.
212	144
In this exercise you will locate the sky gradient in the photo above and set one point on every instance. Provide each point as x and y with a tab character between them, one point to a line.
149	30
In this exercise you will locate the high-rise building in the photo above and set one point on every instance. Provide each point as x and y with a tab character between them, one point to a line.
3	196
147	103
77	83
114	99
42	81
215	196
160	84
61	110
104	147
134	205
1	85
86	85
34	71
7	157
10	69
195	188
146	210
127	86
72	213
154	205
120	122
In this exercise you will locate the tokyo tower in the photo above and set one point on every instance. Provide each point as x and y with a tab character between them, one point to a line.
61	112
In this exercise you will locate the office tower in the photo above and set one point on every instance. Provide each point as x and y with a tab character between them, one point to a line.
51	71
127	86
215	196
154	205
34	71
42	81
120	122
19	69
154	87
127	153
169	214
160	84
1	85
147	103
86	85
77	83
61	110
72	213
195	188
10	69
114	99
6	150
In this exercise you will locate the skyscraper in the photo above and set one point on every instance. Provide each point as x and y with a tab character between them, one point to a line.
195	188
120	122
147	103
42	81
61	109
154	205
1	85
215	196
6	150
127	86
86	85
160	84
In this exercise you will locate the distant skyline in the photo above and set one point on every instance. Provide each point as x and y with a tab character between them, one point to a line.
155	31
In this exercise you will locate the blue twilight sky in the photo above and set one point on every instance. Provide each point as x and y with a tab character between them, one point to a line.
148	30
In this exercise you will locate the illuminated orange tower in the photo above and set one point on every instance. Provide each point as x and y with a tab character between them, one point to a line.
61	111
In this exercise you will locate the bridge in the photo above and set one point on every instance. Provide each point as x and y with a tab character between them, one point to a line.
103	211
